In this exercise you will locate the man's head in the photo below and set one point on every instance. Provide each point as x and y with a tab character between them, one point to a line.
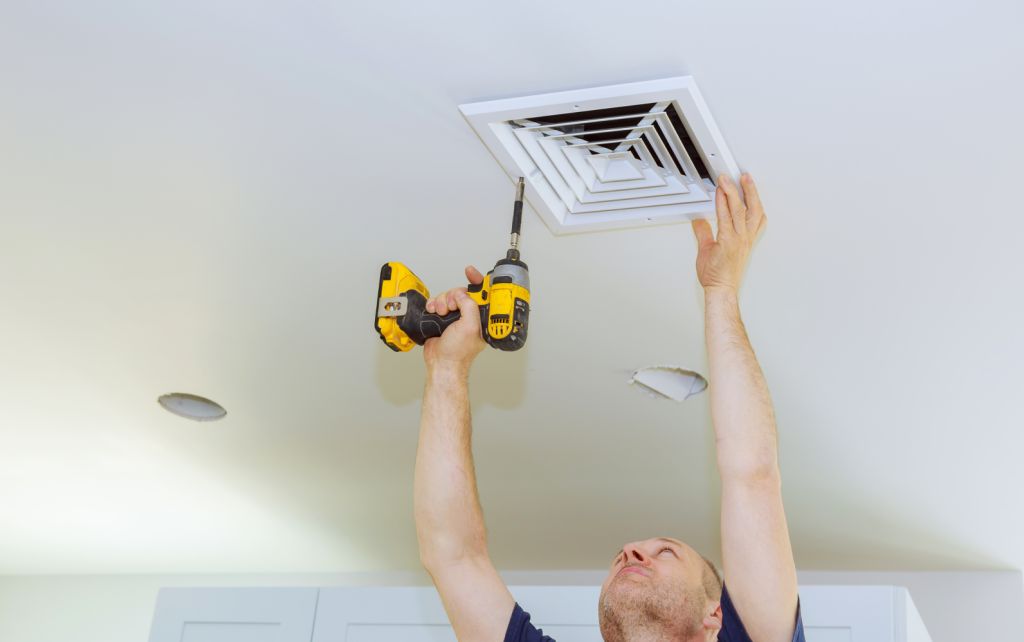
660	589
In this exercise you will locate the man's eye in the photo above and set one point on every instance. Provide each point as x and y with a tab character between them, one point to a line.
666	549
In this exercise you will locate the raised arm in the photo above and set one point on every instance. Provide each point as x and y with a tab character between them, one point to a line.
449	522
756	553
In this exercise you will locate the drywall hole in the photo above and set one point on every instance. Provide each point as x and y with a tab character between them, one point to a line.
668	382
609	157
192	407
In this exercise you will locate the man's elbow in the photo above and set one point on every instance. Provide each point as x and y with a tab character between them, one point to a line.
761	477
755	471
752	460
440	553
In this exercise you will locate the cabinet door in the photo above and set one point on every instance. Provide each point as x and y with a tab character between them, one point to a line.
847	613
404	614
234	615
860	614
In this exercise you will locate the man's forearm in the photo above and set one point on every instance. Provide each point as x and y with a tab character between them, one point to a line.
449	522
741	409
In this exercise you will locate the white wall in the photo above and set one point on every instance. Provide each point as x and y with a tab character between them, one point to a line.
117	608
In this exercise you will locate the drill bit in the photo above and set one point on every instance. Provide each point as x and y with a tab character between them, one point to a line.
517	214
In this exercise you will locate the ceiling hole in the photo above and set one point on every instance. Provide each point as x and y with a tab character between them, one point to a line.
192	407
671	382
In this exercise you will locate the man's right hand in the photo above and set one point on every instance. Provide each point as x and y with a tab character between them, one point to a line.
461	341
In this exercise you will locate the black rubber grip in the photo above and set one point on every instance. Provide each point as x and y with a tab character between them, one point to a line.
421	325
434	325
517	217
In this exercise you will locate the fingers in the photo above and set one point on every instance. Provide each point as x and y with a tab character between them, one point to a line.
444	303
474	276
435	304
755	211
450	298
722	211
737	210
702	230
469	309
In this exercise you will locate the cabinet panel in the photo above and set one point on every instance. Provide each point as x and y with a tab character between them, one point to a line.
408	614
230	632
860	613
400	633
234	615
828	634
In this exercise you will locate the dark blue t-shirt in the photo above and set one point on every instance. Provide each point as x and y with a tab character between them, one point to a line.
521	630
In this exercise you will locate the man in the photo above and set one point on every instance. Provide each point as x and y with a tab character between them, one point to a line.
658	590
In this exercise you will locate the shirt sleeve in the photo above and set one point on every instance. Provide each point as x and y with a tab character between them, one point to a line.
733	629
521	630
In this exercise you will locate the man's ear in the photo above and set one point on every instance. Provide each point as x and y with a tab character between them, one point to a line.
713	619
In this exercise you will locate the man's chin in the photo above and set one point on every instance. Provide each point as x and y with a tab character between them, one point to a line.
624	584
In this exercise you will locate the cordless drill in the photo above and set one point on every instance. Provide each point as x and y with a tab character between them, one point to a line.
402	319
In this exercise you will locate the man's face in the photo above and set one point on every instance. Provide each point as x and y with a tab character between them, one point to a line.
655	584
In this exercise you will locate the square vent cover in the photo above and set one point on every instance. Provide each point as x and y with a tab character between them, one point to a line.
609	157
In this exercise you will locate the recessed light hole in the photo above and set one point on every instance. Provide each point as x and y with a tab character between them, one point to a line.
192	407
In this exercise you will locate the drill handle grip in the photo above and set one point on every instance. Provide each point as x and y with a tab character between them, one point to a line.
434	325
431	324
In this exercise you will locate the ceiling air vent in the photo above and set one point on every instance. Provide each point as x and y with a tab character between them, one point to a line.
609	157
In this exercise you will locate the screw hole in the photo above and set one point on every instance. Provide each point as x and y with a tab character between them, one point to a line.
575	106
712	155
648	219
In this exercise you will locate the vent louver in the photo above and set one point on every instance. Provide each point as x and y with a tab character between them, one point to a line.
609	157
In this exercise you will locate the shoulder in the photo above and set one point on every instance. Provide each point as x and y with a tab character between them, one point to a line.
520	629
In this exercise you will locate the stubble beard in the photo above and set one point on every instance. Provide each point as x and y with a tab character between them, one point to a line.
634	611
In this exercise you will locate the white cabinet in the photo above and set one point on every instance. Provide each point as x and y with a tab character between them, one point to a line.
566	613
860	614
415	614
234	615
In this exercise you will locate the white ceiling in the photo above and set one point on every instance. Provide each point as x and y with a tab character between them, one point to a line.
199	198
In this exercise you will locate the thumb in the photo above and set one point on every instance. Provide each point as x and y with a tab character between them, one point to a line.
474	276
702	230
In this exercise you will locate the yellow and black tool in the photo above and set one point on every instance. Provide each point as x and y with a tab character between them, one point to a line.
402	319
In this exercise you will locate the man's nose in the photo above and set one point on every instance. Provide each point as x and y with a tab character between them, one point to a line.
636	554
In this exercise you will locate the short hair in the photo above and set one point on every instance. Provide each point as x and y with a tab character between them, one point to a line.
711	581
